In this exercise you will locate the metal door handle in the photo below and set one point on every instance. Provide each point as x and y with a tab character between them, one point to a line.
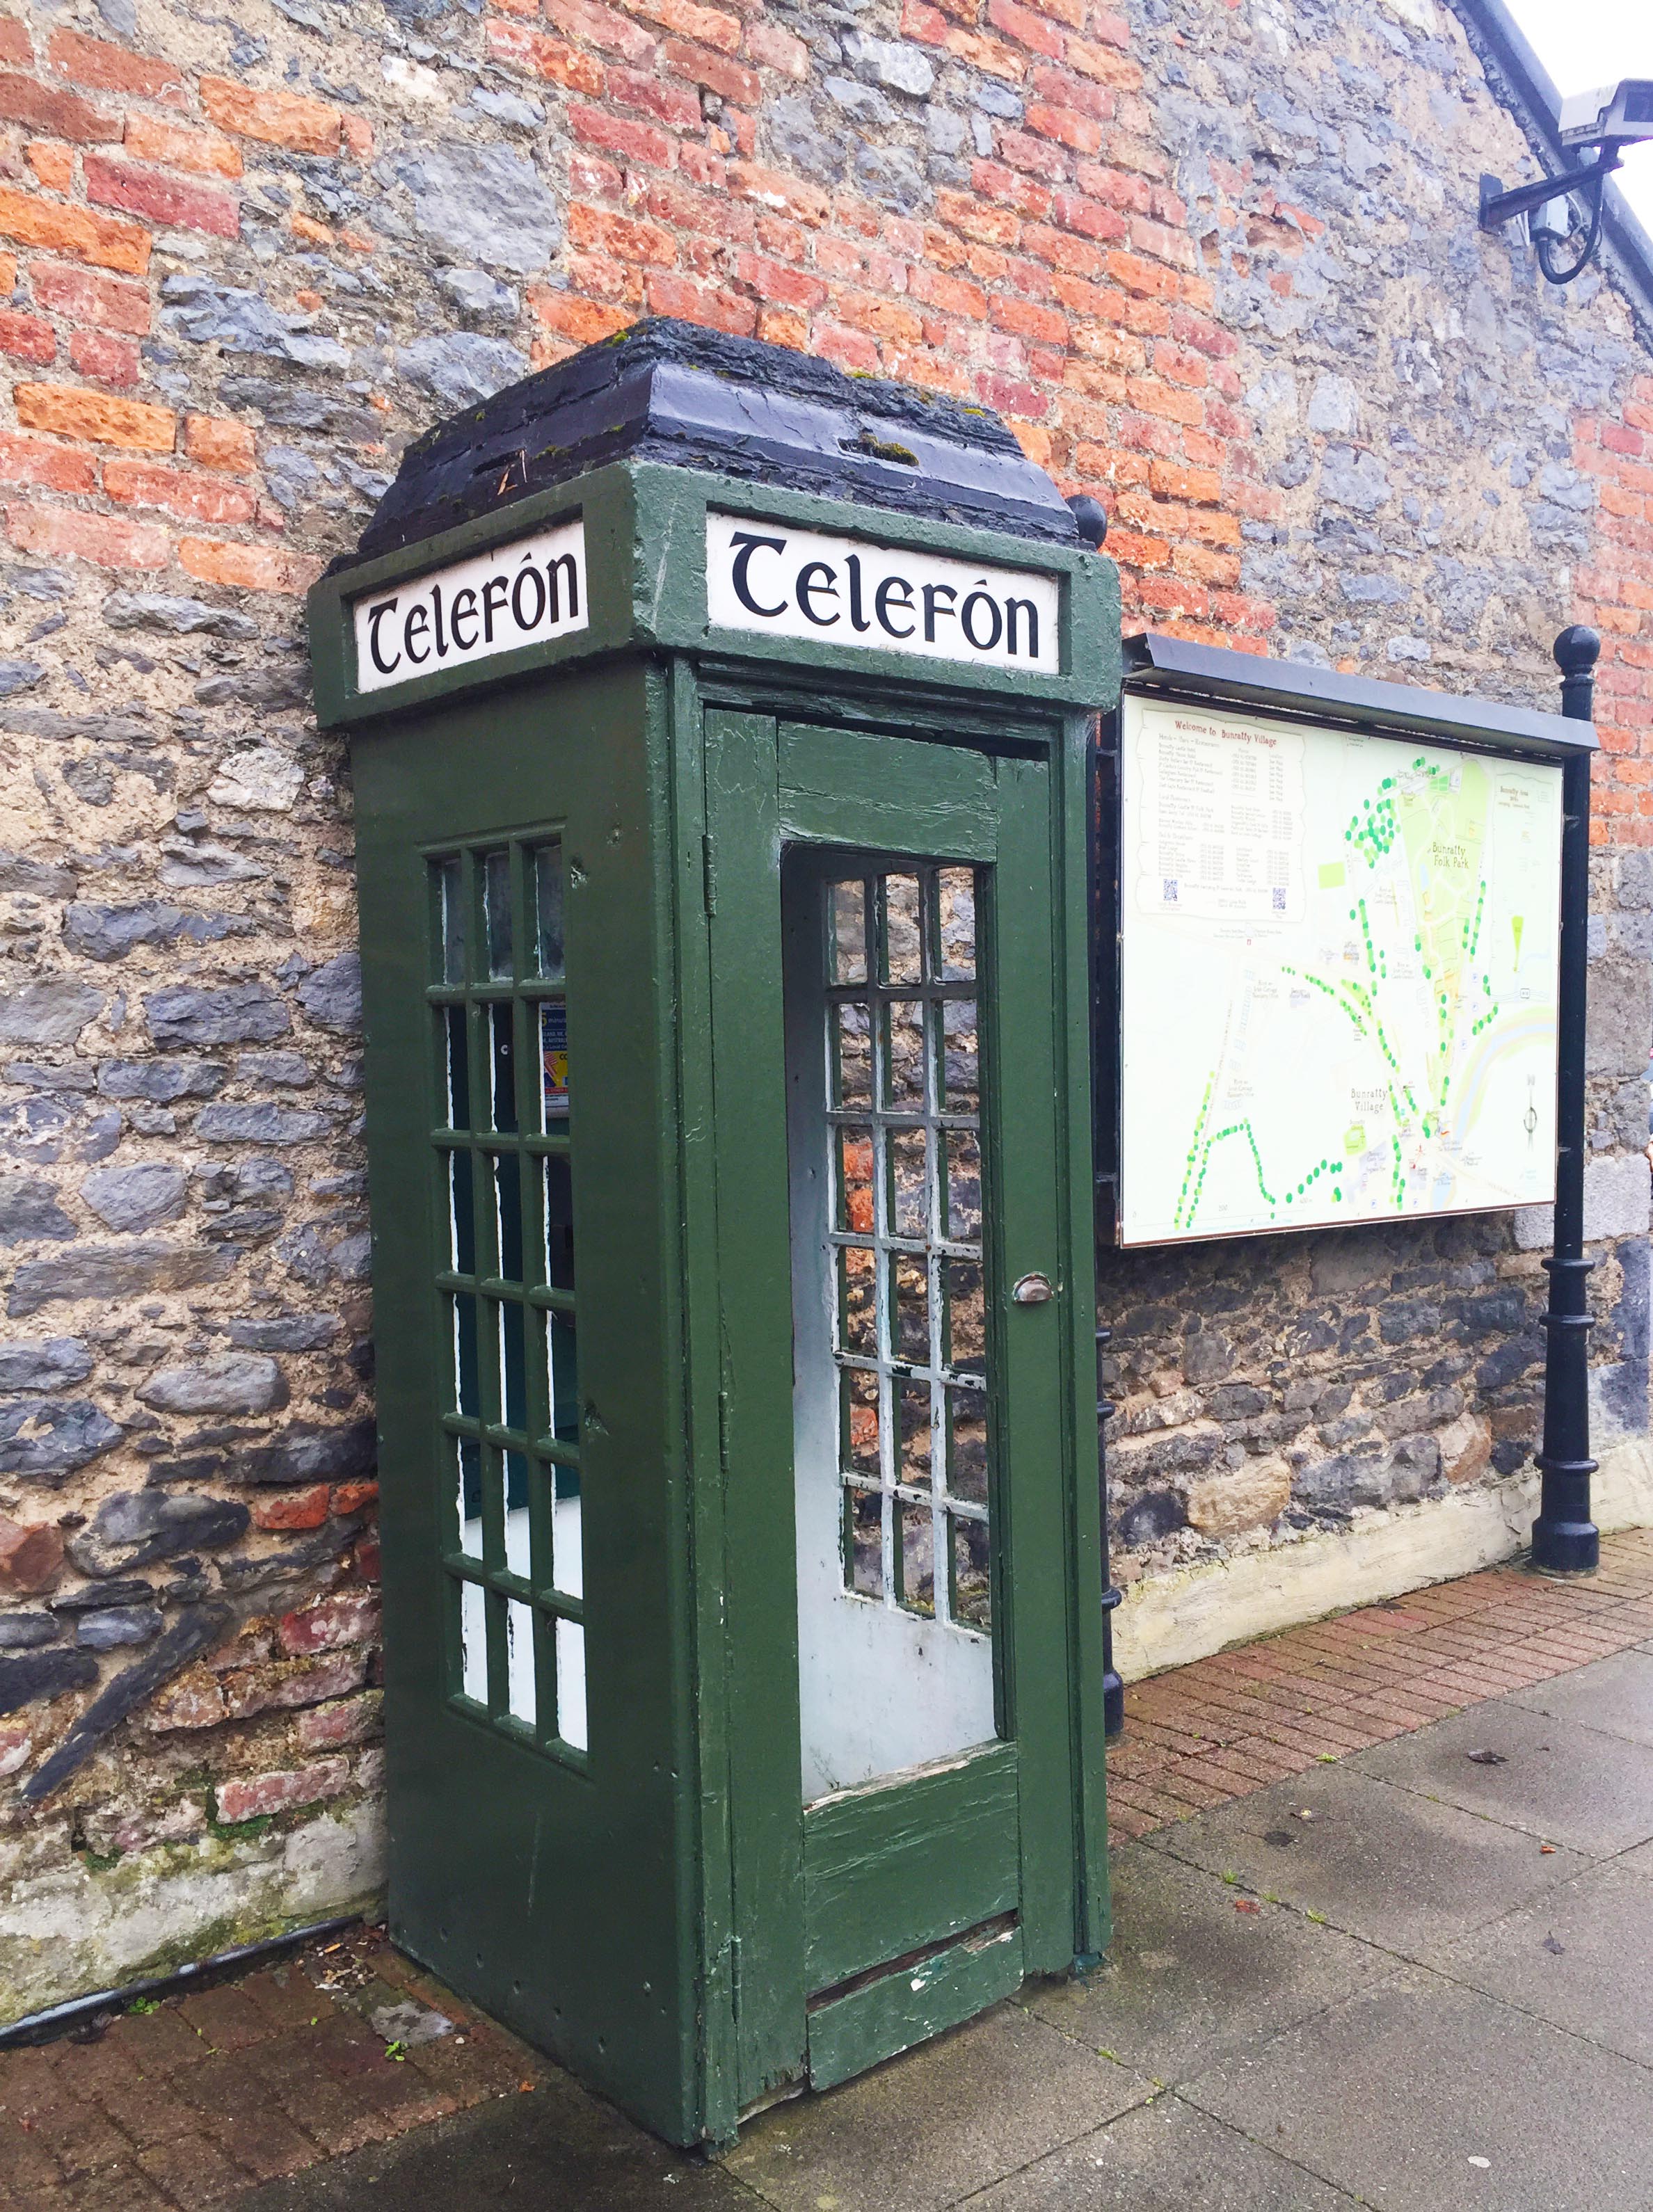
1033	1291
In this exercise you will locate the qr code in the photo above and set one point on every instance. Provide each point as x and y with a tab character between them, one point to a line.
1169	882
1279	898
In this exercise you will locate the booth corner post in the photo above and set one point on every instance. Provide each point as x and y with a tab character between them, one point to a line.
1566	1540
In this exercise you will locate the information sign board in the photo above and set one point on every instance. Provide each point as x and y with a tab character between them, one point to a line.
1338	975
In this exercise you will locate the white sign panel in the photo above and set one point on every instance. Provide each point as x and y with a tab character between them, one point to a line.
1339	959
781	582
514	595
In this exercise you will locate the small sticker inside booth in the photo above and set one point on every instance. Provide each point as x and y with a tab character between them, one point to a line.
722	728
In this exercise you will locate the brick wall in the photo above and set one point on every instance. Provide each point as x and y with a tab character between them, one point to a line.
1216	262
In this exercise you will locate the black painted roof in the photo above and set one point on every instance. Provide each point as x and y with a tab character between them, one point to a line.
669	391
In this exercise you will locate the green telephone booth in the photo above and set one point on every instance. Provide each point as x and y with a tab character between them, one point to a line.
718	726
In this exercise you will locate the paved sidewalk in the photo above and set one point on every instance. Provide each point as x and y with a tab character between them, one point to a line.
1365	1953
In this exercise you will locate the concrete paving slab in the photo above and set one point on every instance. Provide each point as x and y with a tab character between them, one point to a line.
1582	1958
1394	2092
1640	1860
929	2128
1164	2157
1189	1979
1558	1780
559	2146
1382	1863
1615	1695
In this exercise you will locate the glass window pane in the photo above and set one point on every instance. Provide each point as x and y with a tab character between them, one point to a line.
903	962
466	1398
858	1318
910	1327
519	1660
507	1215
967	1445
473	1641
514	1364
914	1411
964	1187
860	1402
903	1083
851	1055
917	1584
554	1064
961	1058
957	893
864	1542
559	1223
451	899
907	1154
846	919
518	1551
966	1336
562	1350
468	1461
547	860
456	1047
567	1556
571	1683
461	1215
853	1196
496	901
503	1062
970	1602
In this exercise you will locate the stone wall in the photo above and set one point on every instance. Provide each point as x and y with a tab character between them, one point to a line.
1217	262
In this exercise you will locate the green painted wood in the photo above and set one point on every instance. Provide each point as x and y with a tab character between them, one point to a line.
839	786
548	1890
908	2007
932	1856
759	1568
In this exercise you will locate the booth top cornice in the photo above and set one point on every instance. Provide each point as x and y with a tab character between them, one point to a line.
669	392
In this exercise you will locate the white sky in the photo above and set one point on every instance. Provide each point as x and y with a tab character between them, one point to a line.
1584	43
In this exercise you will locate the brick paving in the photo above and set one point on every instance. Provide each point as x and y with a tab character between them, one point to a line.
1232	1723
202	2097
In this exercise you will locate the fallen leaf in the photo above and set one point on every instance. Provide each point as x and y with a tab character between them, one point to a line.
1558	1950
1547	1851
1485	1758
1247	1904
526	2086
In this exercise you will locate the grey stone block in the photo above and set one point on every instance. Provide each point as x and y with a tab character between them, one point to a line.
1617	1198
228	1382
138	1197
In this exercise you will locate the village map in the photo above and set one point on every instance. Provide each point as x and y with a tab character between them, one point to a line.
1338	977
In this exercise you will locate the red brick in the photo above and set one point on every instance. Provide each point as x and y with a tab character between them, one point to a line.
1025	27
101	355
74	413
715	71
602	28
162	198
113	69
635	141
519	45
772	188
350	1619
54	113
330	1728
668	103
295	1509
265	1793
771	47
248	568
99	538
192	496
26	338
709	26
707	304
86	298
180	146
219	441
773	282
100	239
15	43
354	1497
292	119
53	164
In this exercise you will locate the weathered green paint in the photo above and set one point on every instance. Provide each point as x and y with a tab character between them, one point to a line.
854	2032
661	1912
938	1855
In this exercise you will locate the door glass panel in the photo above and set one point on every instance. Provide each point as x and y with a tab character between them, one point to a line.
509	1401
892	1371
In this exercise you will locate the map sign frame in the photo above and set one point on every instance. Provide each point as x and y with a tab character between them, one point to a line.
1337	973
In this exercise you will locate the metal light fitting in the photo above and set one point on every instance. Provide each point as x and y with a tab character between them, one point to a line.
1611	118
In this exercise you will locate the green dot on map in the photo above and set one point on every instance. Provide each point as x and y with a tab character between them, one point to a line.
1337	1194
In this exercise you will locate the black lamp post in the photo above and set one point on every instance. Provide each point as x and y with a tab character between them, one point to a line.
1566	1540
